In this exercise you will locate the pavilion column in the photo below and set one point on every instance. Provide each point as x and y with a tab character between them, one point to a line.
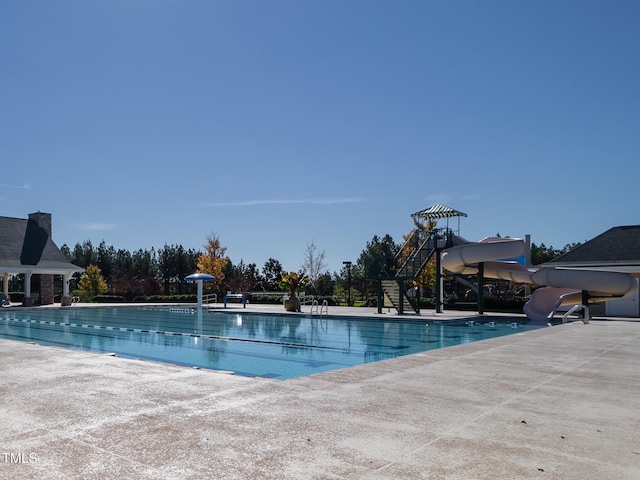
5	284
46	289
65	301
28	301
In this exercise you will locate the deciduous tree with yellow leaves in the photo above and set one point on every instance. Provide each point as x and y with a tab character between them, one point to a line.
92	283
213	261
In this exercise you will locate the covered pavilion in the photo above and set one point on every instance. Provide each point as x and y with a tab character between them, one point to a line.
26	247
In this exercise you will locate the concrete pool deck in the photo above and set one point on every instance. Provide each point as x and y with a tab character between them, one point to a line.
555	403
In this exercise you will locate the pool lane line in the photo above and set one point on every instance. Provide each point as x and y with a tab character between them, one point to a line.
174	334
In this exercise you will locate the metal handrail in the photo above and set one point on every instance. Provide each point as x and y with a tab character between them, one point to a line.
207	298
323	310
398	256
305	299
586	317
325	307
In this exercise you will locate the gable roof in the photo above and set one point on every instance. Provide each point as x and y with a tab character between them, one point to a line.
26	247
617	247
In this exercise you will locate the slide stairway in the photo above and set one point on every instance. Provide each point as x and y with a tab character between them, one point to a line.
413	257
391	288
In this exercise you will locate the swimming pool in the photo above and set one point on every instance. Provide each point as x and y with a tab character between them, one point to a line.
249	344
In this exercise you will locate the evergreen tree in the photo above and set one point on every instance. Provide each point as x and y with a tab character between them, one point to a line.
271	272
379	257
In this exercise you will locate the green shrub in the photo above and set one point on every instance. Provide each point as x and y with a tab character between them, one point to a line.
184	298
108	299
261	298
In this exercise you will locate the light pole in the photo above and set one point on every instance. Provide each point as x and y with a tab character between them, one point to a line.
348	264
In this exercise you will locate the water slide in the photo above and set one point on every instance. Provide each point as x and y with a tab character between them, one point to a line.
560	286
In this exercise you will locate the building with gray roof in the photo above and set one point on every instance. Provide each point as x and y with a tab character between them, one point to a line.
616	250
26	247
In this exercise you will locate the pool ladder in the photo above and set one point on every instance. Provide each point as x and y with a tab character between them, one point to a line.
585	315
320	310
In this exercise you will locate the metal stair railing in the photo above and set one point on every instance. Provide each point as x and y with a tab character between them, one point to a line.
391	287
419	256
407	246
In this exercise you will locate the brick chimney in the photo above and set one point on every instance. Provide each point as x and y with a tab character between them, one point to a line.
43	220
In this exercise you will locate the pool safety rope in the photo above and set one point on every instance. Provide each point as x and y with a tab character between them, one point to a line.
169	334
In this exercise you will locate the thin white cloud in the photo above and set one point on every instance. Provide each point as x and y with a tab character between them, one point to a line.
469	197
293	201
439	198
448	199
24	186
94	227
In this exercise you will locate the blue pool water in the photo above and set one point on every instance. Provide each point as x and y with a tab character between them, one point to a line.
273	346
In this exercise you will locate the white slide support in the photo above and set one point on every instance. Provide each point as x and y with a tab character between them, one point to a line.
562	286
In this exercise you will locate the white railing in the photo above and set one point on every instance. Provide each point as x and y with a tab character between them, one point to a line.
306	299
210	296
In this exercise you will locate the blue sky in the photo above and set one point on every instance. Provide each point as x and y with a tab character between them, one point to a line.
277	124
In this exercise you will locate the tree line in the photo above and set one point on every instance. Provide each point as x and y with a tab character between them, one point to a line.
153	272
146	272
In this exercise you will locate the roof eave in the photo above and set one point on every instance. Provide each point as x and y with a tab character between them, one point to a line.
40	270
